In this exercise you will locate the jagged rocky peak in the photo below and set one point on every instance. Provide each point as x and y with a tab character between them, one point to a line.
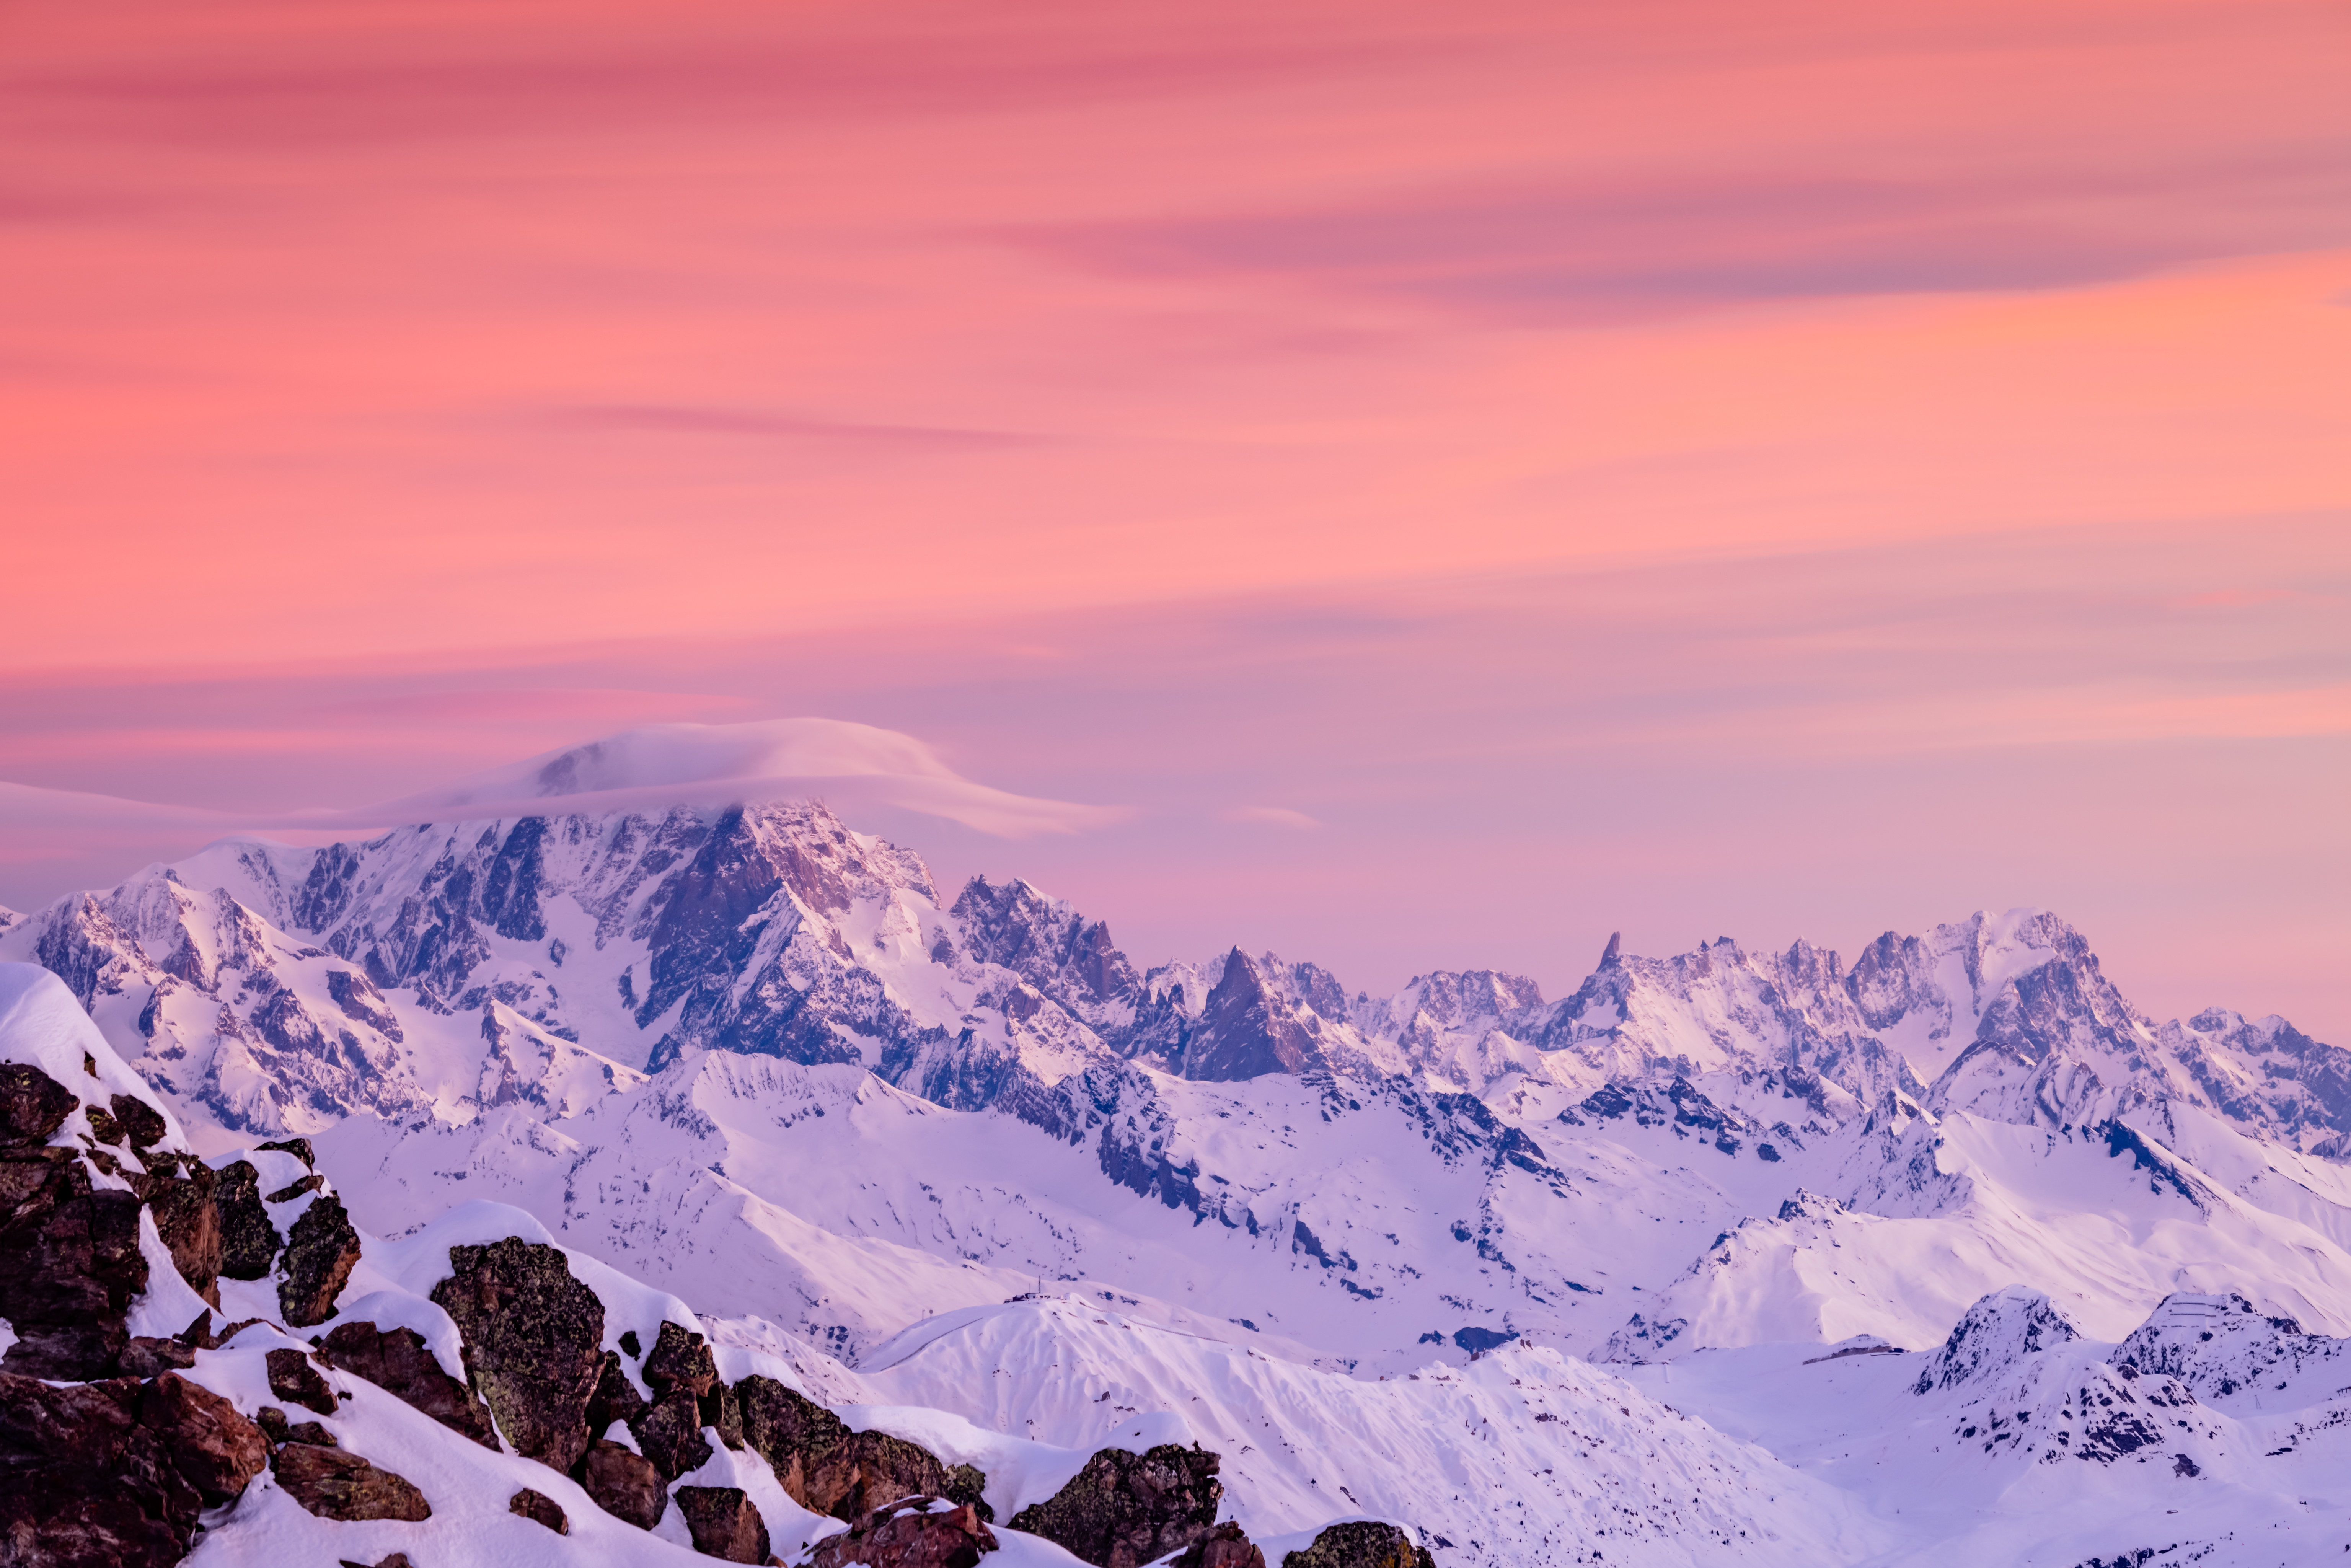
1047	943
2223	1346
1996	1333
1249	1027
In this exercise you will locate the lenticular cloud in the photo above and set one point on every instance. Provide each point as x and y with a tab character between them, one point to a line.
696	764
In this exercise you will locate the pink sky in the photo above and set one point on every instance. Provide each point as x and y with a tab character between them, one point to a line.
1692	468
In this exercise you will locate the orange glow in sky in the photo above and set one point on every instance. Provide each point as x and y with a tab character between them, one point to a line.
1922	428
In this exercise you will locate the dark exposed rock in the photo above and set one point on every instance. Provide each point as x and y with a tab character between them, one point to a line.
1247	1030
1123	1510
914	1533
215	1449
187	1218
335	1483
397	1560
398	1362
148	1357
293	1379
249	1242
294	1189
534	1340
967	1485
140	1121
669	1433
299	1148
826	1467
69	1264
615	1399
539	1509
312	1432
272	1422
114	1475
724	1523
33	1105
321	1254
679	1357
628	1342
623	1484
722	1410
1223	1547
1362	1543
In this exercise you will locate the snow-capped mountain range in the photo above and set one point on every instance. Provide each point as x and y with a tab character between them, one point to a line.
1876	1262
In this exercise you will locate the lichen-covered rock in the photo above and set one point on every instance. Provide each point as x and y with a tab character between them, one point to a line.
534	1342
914	1533
1125	1509
539	1509
669	1433
299	1147
33	1106
147	1356
115	1474
293	1379
1362	1543
623	1484
615	1399
249	1242
335	1483
319	1257
398	1362
187	1218
1223	1547
141	1123
69	1259
826	1467
679	1356
724	1523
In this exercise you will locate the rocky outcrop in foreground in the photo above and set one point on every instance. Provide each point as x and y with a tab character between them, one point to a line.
1125	1509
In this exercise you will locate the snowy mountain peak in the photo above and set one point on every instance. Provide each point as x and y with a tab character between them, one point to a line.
1995	1337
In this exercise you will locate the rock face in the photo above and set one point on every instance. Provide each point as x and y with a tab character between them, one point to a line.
539	1509
293	1379
69	1258
249	1242
114	1475
724	1523
1125	1509
188	1220
319	1257
1223	1547
826	1468
398	1362
334	1483
669	1433
1362	1543
914	1532
624	1485
1245	1031
33	1106
534	1340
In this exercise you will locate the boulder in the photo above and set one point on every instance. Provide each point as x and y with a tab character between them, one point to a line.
321	1254
249	1242
624	1483
669	1433
679	1356
215	1449
827	1469
335	1483
724	1523
299	1147
398	1362
33	1106
914	1533
1362	1543
296	1188
1123	1510
534	1339
1223	1547
539	1509
187	1218
293	1379
146	1357
142	1123
115	1474
69	1258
